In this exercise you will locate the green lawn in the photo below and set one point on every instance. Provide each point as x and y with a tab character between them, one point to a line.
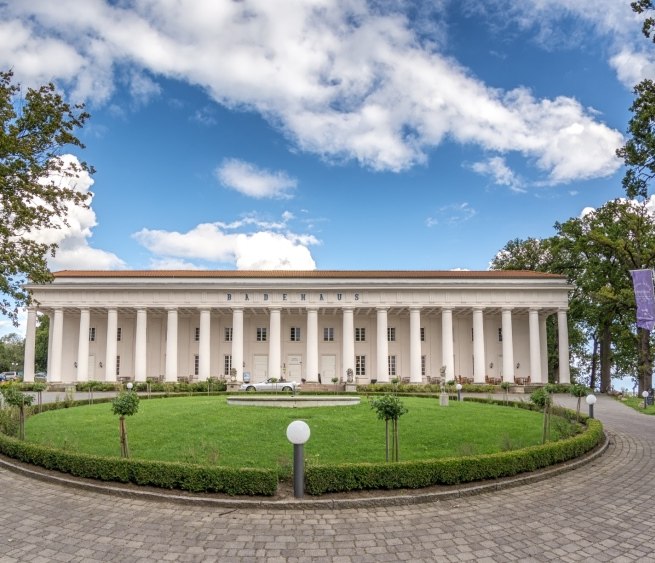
207	430
637	403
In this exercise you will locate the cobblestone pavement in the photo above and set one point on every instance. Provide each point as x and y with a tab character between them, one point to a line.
604	511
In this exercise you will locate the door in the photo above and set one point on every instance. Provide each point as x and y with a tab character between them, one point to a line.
260	368
328	368
92	368
294	368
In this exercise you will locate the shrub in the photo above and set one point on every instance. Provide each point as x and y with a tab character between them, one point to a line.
168	475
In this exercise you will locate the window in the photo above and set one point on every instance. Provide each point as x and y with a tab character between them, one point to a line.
328	334
360	365
118	365
227	363
392	365
423	365
422	334
196	335
295	334
196	364
500	335
391	334
261	334
228	334
360	335
119	334
92	334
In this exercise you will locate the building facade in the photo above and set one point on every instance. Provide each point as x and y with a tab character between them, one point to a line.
302	325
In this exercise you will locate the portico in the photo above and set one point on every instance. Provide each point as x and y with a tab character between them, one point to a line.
411	325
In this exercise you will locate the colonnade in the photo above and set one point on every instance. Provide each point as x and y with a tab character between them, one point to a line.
537	344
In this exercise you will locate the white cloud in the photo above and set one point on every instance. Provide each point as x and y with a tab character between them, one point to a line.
252	181
452	214
172	264
271	248
74	250
615	26
501	174
333	75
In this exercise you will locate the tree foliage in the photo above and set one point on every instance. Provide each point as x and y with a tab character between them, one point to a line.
126	403
14	397
41	343
596	252
36	126
12	349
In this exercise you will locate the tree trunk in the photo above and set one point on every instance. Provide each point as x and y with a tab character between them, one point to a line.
645	362
125	452
594	361
605	359
21	423
386	439
395	441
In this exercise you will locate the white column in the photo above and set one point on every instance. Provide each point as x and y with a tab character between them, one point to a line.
55	374
535	347
30	346
204	345
543	347
141	345
237	343
171	346
447	348
83	346
274	345
112	346
508	346
479	363
383	347
563	346
348	343
311	363
415	345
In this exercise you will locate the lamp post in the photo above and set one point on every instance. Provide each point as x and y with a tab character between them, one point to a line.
298	433
129	386
591	401
644	394
459	391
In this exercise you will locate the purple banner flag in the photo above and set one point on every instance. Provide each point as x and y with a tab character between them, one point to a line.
643	284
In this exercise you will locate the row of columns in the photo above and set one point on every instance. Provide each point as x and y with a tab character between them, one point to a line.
537	344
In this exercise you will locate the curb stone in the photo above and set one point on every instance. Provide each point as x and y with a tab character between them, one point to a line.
294	504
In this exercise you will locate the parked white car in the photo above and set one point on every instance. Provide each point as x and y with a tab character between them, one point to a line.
8	376
272	384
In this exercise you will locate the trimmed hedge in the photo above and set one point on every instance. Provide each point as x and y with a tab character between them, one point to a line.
320	479
162	474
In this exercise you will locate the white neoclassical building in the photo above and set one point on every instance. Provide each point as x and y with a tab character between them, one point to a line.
311	325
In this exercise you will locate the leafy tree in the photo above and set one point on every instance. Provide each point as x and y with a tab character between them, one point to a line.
542	398
616	238
14	397
541	255
579	391
126	403
390	408
35	128
12	349
530	254
41	343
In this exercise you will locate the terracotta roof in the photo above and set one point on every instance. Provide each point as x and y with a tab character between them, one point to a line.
309	274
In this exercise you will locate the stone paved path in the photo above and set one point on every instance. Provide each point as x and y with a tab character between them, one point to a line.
604	511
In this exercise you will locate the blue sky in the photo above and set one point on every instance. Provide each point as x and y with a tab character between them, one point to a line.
331	134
